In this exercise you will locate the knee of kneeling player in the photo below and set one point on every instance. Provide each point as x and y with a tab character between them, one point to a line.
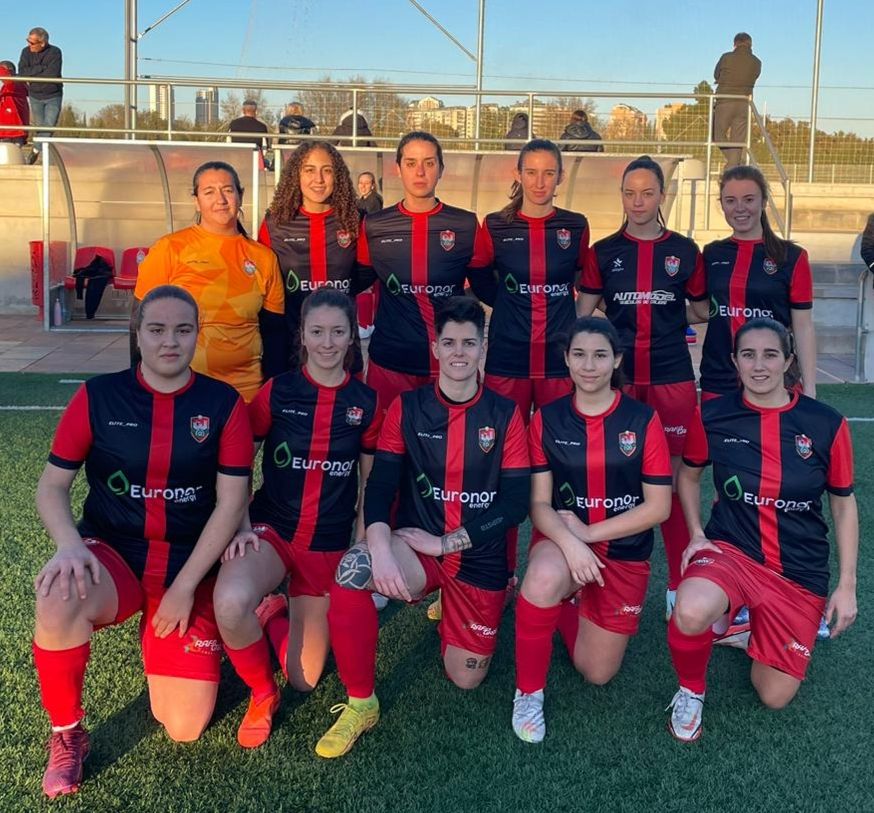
776	698
181	727
690	615
596	674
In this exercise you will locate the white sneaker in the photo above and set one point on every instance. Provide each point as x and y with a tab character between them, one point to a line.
529	724
823	632
670	601
365	332
685	722
379	601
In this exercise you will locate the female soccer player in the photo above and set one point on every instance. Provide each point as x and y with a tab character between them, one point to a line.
312	225
234	280
774	452
167	454
457	452
645	273
601	479
753	273
320	427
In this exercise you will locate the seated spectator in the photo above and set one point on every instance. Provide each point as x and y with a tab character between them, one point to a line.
867	240
295	123
579	129
369	200
249	123
344	128
518	131
13	105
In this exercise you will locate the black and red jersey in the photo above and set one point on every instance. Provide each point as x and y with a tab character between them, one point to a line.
419	259
453	458
538	261
599	463
645	285
151	460
744	283
313	436
770	468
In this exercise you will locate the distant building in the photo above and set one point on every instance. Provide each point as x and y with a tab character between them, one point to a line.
663	114
626	122
162	101
206	106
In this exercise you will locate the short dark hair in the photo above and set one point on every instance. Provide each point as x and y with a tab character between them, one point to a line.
165	292
580	115
419	135
742	38
461	309
250	103
603	327
221	166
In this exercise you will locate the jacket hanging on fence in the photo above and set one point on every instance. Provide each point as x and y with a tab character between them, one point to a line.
99	273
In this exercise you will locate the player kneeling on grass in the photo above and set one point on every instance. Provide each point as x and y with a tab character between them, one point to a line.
774	452
457	453
167	454
319	426
601	479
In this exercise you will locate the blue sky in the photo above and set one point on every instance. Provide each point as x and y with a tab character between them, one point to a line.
621	45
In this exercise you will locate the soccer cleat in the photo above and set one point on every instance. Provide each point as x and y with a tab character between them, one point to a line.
687	709
67	753
670	601
270	607
350	725
737	635
823	632
743	616
257	723
379	601
529	724
435	608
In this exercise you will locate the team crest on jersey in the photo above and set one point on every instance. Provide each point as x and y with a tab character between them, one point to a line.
804	446
249	267
769	266
627	443
354	416
200	428
487	438
447	239
564	238
672	266
344	239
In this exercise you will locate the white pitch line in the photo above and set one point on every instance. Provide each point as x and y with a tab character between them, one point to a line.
71	381
30	408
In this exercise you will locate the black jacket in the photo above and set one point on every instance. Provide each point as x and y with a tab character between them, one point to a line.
581	131
44	64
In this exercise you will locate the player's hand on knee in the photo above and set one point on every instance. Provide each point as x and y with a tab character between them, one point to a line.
69	564
696	544
840	613
237	546
388	578
173	611
584	566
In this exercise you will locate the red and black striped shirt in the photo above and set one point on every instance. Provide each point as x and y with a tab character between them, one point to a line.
599	463
313	436
645	284
538	261
454	456
419	259
744	283
151	460
770	469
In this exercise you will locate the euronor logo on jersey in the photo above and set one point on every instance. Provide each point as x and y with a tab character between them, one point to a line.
804	446
733	489
472	499
249	267
487	438
292	282
769	266
118	483
627	443
566	491
672	266
447	239
354	416
200	428
564	238
120	486
344	239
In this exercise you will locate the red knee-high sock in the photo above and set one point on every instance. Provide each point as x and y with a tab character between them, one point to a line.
354	627
569	625
254	668
676	536
690	654
534	629
61	674
277	633
512	549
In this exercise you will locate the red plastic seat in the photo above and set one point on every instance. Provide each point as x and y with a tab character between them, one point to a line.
84	256
126	279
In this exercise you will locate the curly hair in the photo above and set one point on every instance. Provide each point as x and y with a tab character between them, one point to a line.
288	198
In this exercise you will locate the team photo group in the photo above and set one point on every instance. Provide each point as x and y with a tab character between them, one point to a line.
515	370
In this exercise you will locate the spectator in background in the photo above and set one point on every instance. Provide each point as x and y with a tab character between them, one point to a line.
249	123
344	128
735	73
43	61
868	243
13	105
579	129
518	131
295	123
369	200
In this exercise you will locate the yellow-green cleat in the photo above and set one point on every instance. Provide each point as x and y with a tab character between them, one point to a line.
349	726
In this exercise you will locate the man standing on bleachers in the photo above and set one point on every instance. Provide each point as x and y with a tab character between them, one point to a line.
43	61
735	73
249	123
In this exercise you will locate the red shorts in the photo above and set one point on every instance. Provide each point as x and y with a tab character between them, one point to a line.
784	617
471	615
197	654
675	405
529	393
390	384
311	572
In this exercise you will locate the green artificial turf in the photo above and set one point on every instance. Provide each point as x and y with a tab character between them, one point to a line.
438	748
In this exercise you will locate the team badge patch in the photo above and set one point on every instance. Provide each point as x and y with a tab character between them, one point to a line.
200	428
804	446
627	443
564	238
249	267
447	240
487	438
354	416
344	239
769	266
672	266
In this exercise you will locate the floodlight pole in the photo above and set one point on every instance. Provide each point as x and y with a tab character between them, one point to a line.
814	94
130	63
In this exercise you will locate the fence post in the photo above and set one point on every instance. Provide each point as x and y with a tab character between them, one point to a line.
707	164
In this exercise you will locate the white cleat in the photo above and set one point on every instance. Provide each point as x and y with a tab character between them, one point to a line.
379	601
529	724
670	601
687	710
